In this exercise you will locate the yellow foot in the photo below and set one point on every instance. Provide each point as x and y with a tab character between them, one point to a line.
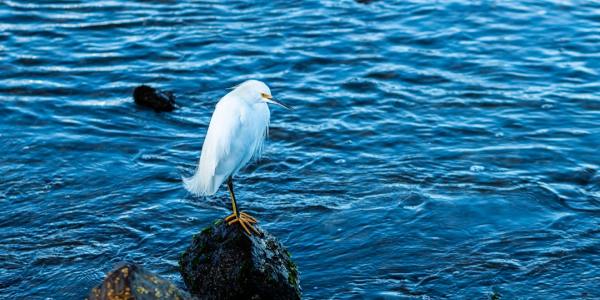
245	221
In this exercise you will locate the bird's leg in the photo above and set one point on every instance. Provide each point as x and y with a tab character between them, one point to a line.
232	195
243	218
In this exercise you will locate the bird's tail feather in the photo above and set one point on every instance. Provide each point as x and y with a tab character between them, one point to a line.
200	185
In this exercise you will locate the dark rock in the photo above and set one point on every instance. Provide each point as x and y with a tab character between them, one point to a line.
153	98
225	263
130	281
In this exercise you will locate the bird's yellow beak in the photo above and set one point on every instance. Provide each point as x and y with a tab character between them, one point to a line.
269	99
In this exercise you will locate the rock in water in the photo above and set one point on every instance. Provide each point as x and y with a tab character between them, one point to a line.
150	97
225	263
130	281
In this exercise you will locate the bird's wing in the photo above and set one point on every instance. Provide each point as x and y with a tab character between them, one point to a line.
215	162
225	125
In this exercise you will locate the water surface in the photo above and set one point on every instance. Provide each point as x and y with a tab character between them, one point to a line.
442	150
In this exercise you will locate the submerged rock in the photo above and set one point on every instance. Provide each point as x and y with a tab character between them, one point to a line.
225	263
130	281
153	98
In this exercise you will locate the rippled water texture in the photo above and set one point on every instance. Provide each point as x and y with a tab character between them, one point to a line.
447	150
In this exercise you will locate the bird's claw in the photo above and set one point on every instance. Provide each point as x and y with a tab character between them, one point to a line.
245	221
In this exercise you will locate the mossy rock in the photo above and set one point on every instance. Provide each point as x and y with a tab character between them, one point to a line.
150	97
224	263
132	282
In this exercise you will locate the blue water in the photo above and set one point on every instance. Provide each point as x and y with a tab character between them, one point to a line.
437	150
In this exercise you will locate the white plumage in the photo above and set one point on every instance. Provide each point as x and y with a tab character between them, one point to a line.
235	135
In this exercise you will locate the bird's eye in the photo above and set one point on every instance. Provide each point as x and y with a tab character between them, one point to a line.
266	96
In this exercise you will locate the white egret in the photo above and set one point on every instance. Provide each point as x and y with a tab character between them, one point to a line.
235	135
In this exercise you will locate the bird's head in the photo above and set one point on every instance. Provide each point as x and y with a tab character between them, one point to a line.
258	91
